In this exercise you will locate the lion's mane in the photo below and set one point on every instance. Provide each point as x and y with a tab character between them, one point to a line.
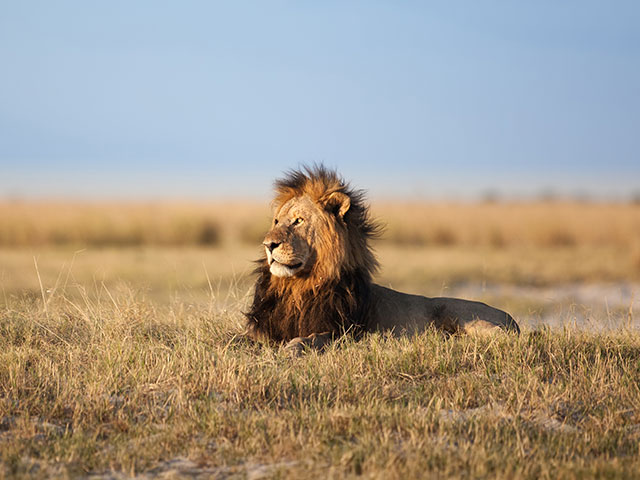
335	295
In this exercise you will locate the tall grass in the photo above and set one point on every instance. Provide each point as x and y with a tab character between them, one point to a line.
541	224
538	224
115	385
128	224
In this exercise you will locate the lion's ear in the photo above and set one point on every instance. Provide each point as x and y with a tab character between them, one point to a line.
338	203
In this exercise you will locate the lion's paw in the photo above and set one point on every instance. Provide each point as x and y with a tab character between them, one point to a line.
296	347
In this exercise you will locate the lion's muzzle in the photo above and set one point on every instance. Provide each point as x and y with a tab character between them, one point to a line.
286	253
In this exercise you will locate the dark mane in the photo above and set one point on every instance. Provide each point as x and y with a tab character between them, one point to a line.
339	307
283	309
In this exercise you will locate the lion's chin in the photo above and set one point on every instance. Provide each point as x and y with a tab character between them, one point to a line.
281	270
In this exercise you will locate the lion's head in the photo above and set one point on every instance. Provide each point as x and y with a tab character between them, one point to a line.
317	253
320	227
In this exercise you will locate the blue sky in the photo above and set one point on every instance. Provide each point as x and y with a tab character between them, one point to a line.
202	99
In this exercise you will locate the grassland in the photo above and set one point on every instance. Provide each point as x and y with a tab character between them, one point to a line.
533	224
121	354
118	386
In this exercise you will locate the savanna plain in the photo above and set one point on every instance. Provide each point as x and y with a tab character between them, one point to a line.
122	354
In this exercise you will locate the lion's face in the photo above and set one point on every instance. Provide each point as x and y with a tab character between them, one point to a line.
303	234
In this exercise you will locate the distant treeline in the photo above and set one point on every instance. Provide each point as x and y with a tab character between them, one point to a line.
132	224
492	224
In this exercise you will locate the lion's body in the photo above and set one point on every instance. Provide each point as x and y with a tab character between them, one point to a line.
405	314
315	281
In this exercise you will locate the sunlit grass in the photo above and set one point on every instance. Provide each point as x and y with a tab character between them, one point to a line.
532	224
118	383
117	361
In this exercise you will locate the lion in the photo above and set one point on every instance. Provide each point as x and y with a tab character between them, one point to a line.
314	281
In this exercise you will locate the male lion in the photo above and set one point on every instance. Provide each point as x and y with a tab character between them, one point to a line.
314	282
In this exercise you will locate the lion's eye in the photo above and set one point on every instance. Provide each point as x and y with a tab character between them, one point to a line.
297	221
275	221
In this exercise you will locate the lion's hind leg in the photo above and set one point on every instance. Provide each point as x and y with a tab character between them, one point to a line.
502	323
470	317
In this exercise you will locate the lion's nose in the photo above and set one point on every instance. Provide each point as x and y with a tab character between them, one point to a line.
271	245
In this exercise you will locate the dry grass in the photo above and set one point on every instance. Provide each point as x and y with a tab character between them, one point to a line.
538	224
129	224
163	273
425	246
123	361
116	385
